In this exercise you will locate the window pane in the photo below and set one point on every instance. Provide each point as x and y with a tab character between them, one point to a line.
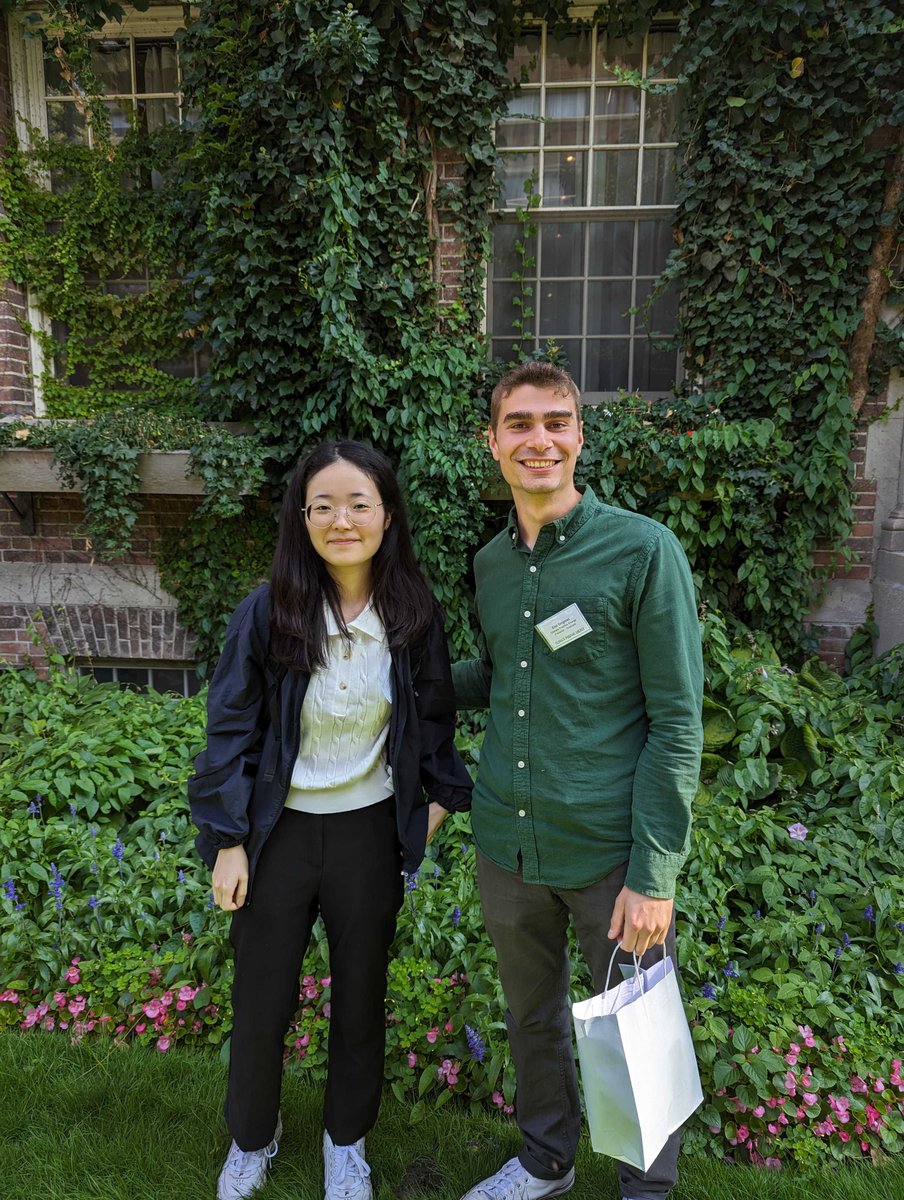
168	679
120	114
626	53
607	307
154	114
156	65
654	370
515	170
110	60
520	129
54	83
510	304
563	178
659	48
662	315
567	56
561	309
567	117
614	177
526	58
572	349
607	364
661	117
617	115
101	674
612	248
658	182
503	349
65	123
507	258
562	244
134	678
654	244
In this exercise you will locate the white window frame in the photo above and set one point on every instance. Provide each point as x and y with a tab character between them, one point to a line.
588	213
26	64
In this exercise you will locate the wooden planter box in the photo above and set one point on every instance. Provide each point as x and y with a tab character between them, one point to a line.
160	473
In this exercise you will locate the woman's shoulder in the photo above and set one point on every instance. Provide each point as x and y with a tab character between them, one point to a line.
253	611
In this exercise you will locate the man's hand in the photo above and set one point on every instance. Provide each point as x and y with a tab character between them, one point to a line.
639	922
436	814
230	878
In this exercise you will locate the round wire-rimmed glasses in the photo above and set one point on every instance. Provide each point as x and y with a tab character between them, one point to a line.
361	512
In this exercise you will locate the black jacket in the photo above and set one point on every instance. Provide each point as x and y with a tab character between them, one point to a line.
242	778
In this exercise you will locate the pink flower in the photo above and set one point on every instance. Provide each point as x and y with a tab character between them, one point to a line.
873	1120
327	1009
807	1034
759	1111
180	1005
72	975
790	1083
448	1027
163	1044
844	1135
325	982
412	1059
859	1085
311	992
432	1035
809	1098
743	1133
140	1027
187	993
791	1056
77	1006
303	1041
499	1099
798	832
774	1164
152	1009
9	997
49	1022
59	999
879	1085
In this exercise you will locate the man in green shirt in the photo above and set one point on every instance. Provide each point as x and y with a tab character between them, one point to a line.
592	674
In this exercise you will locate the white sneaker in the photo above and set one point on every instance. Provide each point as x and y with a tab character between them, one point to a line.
346	1176
244	1171
513	1182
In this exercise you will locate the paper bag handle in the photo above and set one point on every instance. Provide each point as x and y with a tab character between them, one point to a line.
637	974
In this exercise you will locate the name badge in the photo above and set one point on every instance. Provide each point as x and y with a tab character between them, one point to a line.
567	625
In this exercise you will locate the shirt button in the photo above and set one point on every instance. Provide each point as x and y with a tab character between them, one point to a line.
561	537
524	662
342	687
521	812
520	762
520	712
527	612
533	569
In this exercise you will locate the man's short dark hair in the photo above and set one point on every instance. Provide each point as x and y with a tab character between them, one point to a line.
543	375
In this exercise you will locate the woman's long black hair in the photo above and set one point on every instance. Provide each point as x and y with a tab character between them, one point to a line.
300	581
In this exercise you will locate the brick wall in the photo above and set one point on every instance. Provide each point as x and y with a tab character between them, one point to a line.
55	564
16	393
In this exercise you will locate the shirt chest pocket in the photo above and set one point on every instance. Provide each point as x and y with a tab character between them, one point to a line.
589	646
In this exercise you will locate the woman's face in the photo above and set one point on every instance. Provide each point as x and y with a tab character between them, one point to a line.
344	545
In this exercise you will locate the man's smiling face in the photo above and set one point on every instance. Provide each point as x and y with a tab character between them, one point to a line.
537	441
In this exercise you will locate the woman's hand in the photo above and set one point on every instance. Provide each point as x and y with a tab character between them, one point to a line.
436	814
230	878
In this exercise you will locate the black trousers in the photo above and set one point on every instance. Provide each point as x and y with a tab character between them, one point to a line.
346	867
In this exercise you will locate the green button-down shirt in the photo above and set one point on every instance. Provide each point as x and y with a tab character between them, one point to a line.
592	751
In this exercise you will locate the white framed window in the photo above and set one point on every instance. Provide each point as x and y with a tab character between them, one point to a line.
138	63
137	676
598	152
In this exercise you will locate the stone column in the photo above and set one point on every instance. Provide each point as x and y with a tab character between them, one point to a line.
888	574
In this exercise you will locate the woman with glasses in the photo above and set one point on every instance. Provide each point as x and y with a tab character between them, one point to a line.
329	765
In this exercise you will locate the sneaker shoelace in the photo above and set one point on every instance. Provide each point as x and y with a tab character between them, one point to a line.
510	1176
348	1167
241	1161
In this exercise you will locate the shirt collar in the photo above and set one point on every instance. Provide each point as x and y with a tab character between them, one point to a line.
565	527
366	622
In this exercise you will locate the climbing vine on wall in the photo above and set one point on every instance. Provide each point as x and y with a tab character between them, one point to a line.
303	239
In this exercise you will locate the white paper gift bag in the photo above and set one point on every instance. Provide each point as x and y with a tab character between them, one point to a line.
638	1068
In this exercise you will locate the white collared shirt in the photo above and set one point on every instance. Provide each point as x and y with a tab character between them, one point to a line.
341	763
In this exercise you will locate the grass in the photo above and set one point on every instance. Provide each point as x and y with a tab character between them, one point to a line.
91	1122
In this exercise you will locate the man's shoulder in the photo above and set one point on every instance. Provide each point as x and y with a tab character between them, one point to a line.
489	550
607	519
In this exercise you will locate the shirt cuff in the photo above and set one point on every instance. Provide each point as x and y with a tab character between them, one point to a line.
653	874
